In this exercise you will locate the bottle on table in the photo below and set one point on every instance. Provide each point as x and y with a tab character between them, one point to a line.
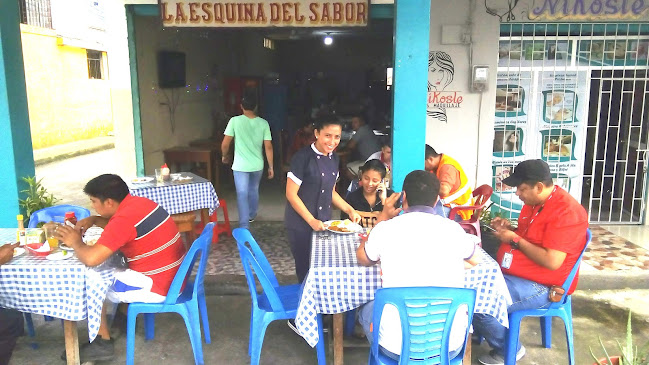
21	234
70	219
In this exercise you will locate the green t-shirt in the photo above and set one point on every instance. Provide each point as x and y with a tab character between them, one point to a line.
249	136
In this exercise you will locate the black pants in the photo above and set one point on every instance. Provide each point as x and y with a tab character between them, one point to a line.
301	249
11	327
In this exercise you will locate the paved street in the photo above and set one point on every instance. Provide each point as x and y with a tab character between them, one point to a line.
66	178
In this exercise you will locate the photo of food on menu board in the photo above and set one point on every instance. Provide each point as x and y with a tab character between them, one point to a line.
559	106
509	98
502	172
557	145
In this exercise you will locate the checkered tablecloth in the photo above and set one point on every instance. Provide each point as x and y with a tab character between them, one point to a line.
336	283
179	197
65	289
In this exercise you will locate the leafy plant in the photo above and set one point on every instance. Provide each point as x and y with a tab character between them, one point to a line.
36	196
630	353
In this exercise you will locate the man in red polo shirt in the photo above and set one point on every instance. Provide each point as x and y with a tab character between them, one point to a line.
539	253
147	236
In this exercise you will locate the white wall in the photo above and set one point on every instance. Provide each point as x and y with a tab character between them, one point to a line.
211	55
467	135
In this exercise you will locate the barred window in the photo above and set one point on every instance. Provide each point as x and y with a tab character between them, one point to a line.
95	64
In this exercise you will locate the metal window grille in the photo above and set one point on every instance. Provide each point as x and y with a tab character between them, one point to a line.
36	12
609	144
94	64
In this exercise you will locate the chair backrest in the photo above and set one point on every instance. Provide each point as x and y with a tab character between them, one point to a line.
255	264
481	195
426	315
201	246
56	214
575	269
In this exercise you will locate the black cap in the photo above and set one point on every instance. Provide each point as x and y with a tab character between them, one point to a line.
530	170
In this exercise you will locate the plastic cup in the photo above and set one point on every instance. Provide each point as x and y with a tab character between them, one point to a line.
50	232
158	176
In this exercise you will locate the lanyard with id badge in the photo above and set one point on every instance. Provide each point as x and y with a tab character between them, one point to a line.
508	257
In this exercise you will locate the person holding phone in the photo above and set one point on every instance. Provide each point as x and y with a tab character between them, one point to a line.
369	199
310	191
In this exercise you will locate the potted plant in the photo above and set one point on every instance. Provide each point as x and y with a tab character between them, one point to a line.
36	197
630	354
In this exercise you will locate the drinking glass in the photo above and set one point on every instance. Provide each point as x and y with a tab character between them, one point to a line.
50	230
158	176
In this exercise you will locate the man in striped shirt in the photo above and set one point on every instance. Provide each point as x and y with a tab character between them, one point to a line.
147	236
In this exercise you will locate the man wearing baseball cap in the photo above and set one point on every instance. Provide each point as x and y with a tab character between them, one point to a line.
539	253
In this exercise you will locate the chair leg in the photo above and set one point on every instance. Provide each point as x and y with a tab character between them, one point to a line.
546	331
149	326
350	322
252	326
567	322
258	333
30	330
193	329
511	342
131	318
206	323
320	346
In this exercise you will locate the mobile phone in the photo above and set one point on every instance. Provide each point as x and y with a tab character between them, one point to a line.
399	201
379	190
492	229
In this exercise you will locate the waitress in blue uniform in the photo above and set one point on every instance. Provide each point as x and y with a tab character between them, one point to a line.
310	191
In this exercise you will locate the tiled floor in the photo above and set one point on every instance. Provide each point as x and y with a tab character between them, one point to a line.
607	252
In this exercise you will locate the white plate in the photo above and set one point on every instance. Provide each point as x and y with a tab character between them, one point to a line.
58	256
64	247
352	227
18	251
142	180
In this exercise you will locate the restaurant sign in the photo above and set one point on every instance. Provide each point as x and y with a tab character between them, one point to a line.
588	10
241	14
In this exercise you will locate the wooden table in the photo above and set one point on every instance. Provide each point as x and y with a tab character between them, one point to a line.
206	154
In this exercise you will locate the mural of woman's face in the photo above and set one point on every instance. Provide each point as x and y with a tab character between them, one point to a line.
436	77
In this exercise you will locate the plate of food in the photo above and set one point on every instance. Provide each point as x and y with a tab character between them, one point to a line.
142	180
342	226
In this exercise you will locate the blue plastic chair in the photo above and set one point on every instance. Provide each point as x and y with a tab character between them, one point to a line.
426	315
561	309
274	303
56	214
185	303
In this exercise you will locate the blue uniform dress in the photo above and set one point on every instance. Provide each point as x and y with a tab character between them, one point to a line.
316	174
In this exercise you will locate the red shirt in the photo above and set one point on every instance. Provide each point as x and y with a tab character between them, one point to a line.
147	235
561	225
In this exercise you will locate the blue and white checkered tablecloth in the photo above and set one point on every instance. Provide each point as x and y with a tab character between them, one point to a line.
336	283
179	197
65	289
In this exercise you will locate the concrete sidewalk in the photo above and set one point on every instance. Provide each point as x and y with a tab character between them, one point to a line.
229	324
72	149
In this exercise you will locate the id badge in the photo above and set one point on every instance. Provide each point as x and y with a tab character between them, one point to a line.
507	260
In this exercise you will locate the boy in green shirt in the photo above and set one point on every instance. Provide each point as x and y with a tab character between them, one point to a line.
250	133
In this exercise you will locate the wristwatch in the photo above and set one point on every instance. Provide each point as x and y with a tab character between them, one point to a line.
514	243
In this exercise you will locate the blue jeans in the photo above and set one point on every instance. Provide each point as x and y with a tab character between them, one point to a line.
445	211
247	185
365	313
525	294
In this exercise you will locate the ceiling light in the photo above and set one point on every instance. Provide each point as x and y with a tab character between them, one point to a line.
328	40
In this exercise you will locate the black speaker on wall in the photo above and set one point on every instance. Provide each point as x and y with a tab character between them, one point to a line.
171	69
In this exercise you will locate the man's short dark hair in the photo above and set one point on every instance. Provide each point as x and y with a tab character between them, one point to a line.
375	165
430	152
249	103
107	186
421	187
360	117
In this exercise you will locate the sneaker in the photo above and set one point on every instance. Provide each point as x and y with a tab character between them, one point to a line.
97	350
494	358
251	219
291	325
